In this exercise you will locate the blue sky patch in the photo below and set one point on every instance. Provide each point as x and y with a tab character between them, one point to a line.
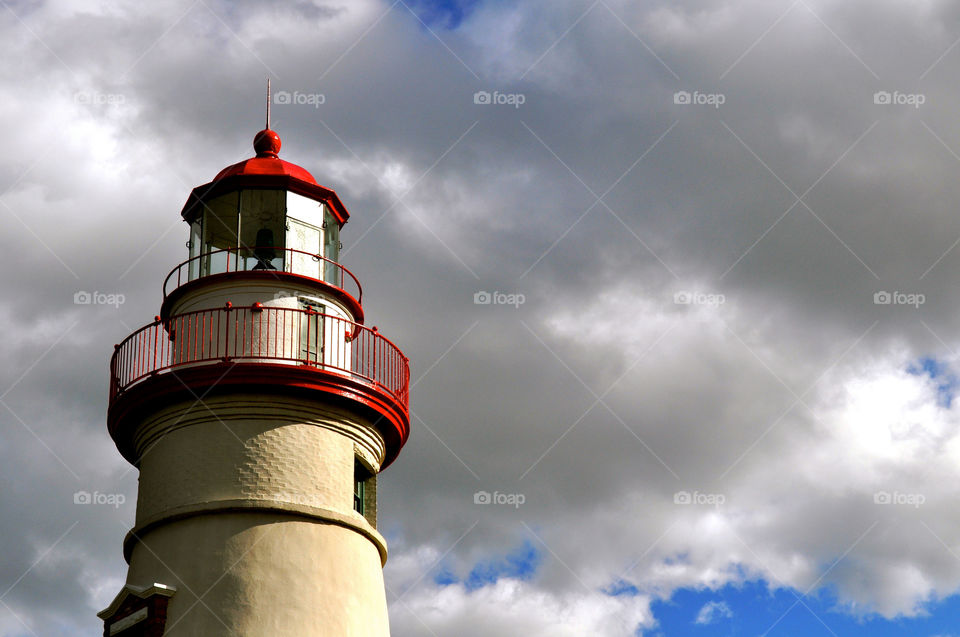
445	577
753	610
940	372
443	14
520	563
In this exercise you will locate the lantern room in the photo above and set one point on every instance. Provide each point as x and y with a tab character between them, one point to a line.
265	214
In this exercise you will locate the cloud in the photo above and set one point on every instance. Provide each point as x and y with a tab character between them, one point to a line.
712	612
798	398
512	605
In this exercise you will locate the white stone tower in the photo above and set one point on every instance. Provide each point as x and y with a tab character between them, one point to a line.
259	410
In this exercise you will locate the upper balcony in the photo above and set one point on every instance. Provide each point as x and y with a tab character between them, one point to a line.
282	265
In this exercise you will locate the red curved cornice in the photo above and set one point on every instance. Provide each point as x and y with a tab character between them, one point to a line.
281	181
386	412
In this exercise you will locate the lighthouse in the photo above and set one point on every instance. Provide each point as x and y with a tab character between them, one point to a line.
259	409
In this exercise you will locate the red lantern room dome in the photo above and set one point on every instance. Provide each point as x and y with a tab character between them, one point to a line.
265	170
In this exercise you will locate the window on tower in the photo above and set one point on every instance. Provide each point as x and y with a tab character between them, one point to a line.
358	480
365	492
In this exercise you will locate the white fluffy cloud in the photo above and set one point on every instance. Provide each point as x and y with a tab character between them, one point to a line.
509	606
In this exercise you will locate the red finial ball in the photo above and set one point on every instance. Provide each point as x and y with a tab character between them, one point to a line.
266	143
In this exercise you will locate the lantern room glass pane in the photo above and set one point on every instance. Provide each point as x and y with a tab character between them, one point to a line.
262	235
304	235
193	269
220	225
304	239
331	247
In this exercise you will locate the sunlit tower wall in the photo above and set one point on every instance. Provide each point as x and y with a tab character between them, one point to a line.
259	410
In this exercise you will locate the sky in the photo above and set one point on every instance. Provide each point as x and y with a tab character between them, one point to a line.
678	281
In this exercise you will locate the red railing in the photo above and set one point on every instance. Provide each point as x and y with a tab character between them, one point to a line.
257	334
245	260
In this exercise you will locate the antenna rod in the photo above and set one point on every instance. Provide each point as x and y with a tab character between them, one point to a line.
268	103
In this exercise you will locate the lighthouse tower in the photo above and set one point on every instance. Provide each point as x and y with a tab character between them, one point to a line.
259	409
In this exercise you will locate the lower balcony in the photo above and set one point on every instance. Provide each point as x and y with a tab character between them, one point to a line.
260	347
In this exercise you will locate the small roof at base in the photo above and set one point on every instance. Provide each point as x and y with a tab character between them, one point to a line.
140	592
